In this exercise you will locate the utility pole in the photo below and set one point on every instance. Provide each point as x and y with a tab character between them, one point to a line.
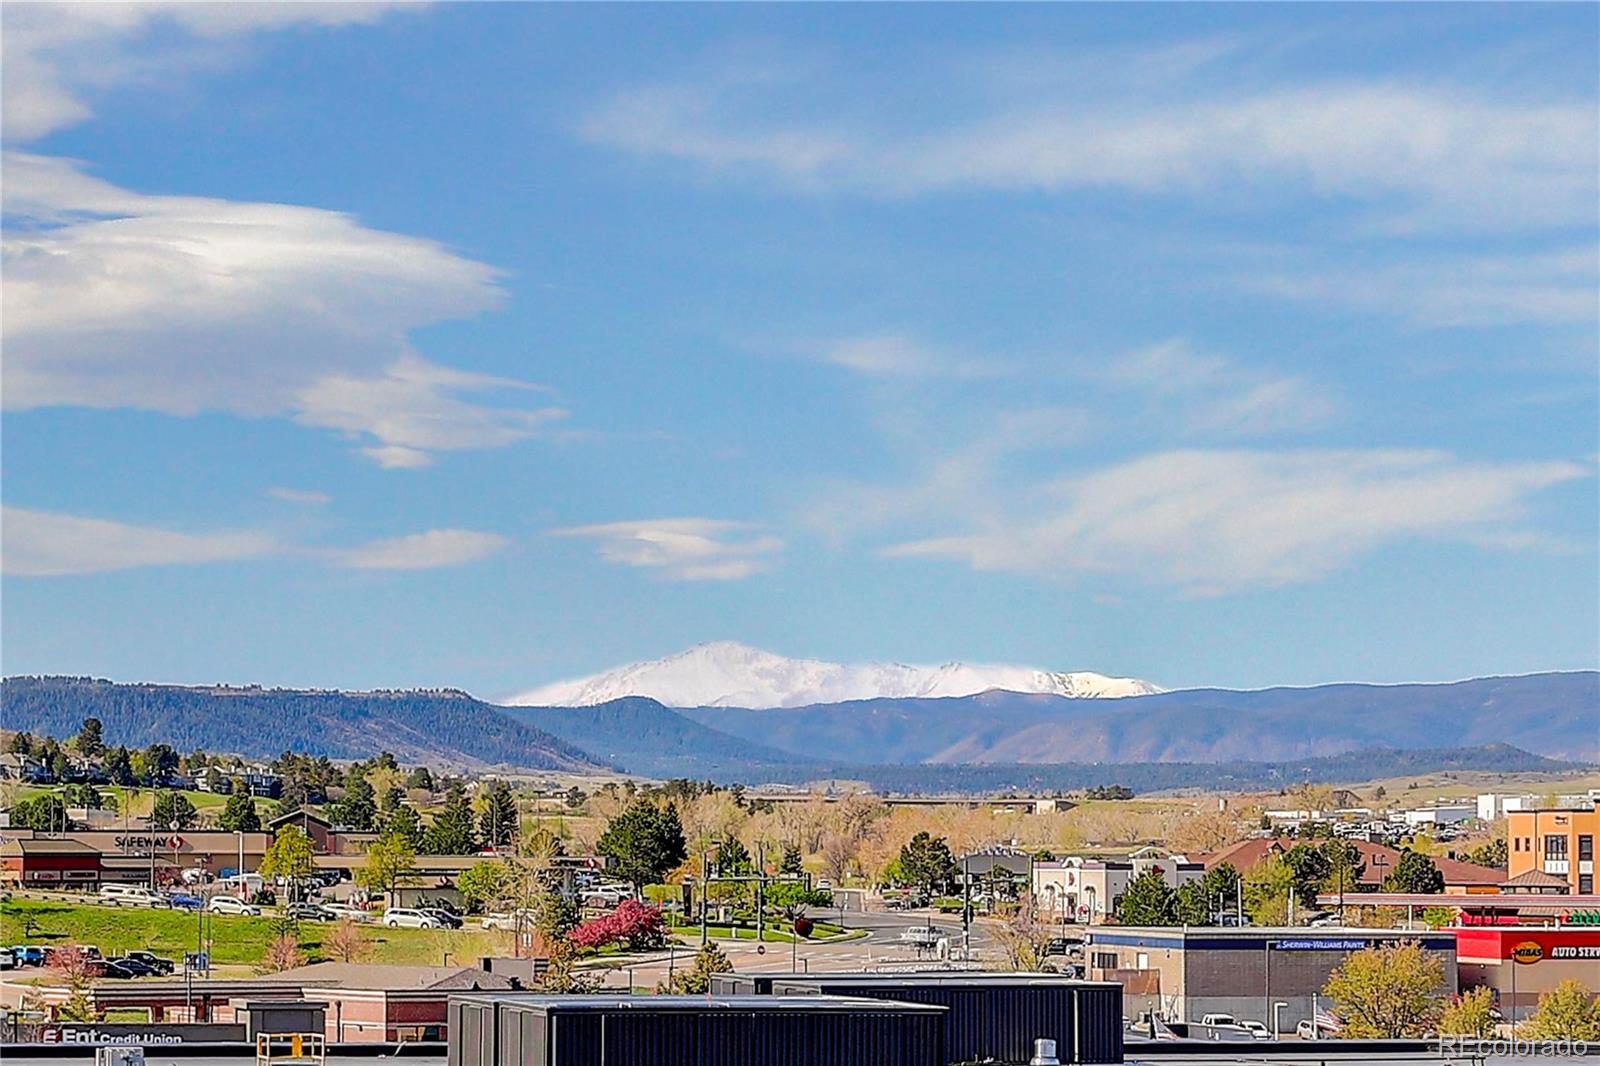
761	891
966	908
704	884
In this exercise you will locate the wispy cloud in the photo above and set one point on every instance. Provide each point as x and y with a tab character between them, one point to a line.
1227	521
683	549
897	355
430	550
58	56
49	544
185	304
306	496
45	544
1208	394
1540	288
1416	156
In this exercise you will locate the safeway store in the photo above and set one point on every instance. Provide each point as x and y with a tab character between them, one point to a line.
1519	963
137	855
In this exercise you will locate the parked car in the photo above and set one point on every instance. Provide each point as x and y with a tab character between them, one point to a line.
28	955
131	896
446	918
230	905
185	901
8	961
135	967
347	911
823	884
309	912
1218	1019
603	897
1256	1029
508	920
410	918
152	960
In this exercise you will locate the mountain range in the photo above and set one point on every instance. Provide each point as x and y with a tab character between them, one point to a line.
442	727
728	674
991	739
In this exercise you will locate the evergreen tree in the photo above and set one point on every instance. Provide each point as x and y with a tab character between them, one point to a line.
792	861
359	807
1414	872
239	814
733	858
44	814
119	767
160	761
391	799
91	738
21	744
405	822
452	830
1311	869
1345	866
1493	854
1149	900
498	822
925	861
173	810
644	842
420	778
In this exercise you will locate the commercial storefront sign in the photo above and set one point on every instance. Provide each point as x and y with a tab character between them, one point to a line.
1319	945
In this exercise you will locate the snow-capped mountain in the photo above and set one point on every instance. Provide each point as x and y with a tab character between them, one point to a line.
726	674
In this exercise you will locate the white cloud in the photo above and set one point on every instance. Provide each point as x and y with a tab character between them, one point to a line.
1225	521
1209	395
48	544
422	551
896	355
682	549
186	304
306	496
1420	156
56	54
1546	288
44	544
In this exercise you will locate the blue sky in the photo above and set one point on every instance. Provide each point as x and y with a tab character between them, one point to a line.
482	345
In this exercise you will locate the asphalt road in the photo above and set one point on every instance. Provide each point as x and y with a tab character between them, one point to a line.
880	949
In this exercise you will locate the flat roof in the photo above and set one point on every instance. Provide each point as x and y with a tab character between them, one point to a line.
702	1004
958	979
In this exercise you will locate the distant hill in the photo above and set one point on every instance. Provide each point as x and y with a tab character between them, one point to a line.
444	728
1243	776
1555	714
988	742
648	738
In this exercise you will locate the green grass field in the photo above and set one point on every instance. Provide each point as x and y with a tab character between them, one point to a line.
140	800
235	941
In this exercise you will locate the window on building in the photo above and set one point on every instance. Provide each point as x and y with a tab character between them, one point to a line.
1555	848
1105	960
1586	848
1585	884
1143	961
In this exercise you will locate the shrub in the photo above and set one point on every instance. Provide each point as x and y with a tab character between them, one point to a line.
637	926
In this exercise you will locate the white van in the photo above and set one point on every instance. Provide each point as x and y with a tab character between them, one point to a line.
247	885
131	896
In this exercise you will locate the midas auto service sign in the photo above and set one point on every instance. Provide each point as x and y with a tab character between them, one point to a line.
1527	951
